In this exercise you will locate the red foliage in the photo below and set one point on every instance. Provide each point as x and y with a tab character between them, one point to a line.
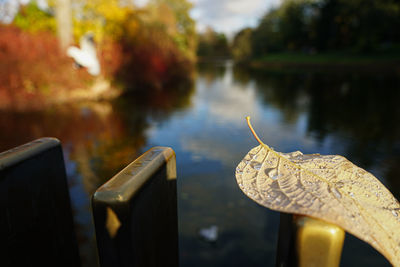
152	62
111	58
33	68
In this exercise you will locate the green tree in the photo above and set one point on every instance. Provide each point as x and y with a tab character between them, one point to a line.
213	44
267	37
33	19
363	26
241	46
294	23
328	25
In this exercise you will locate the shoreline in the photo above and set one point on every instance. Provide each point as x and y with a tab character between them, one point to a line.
327	62
100	90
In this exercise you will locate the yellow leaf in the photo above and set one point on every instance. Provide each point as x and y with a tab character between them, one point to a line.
327	187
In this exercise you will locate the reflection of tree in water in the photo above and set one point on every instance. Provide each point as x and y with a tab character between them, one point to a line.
242	75
363	108
86	131
111	153
101	137
211	72
360	109
284	91
158	104
110	149
98	138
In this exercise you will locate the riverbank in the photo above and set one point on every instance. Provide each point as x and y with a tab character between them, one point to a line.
35	73
328	61
100	89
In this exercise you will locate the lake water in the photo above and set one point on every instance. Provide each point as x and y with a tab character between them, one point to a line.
353	114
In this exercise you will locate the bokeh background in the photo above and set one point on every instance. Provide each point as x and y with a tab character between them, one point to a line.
320	76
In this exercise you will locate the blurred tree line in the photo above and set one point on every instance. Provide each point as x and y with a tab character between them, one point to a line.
139	48
314	26
212	44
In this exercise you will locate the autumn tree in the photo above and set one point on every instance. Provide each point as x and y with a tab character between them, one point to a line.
102	17
149	47
174	16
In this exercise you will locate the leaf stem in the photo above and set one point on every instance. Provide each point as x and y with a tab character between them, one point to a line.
254	133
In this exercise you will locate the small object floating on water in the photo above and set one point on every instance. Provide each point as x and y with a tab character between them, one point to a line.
326	187
86	56
209	234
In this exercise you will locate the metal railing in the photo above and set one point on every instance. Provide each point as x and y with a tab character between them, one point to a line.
135	215
307	242
36	226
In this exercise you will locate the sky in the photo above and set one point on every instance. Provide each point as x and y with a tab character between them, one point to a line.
227	16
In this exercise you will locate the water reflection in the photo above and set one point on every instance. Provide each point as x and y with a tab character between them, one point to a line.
359	111
353	114
98	139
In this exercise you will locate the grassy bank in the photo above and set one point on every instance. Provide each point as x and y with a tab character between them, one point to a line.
387	61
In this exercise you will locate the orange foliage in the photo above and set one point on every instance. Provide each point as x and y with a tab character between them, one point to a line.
33	71
33	68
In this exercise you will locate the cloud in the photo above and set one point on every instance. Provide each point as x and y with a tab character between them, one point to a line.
226	16
220	107
227	100
229	16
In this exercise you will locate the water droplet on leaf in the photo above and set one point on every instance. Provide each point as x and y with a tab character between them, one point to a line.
339	184
335	192
310	179
257	166
272	173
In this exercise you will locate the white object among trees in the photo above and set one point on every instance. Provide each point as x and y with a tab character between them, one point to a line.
86	56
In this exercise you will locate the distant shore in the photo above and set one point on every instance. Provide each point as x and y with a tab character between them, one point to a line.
328	61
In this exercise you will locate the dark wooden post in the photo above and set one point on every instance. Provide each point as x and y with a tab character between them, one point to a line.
36	226
135	213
